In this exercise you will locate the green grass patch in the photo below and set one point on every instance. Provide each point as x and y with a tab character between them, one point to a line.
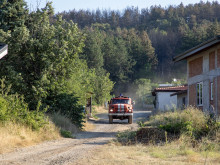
66	134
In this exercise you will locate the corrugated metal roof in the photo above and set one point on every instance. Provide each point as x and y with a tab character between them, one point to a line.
176	88
170	89
197	49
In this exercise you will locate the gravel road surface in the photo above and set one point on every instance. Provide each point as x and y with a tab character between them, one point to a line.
69	151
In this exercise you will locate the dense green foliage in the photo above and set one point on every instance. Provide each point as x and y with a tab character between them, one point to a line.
14	109
126	54
68	106
43	63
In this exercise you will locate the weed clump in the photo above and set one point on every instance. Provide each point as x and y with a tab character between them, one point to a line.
126	137
191	122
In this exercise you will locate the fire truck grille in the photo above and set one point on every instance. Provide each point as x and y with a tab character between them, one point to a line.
120	108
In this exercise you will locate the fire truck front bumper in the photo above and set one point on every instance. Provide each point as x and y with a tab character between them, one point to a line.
120	114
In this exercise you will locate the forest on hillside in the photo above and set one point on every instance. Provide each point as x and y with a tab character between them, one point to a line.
148	38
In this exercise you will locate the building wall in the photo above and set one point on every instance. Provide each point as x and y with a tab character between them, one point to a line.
165	101
192	94
195	66
210	71
212	60
218	58
218	96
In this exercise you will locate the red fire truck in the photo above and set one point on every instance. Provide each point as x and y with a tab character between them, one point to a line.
120	108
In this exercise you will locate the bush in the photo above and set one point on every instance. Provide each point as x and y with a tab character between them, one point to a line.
3	109
17	111
13	108
66	134
190	121
68	106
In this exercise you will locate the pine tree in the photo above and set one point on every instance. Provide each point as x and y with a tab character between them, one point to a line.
92	51
13	14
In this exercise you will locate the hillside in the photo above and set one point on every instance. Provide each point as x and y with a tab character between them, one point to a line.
145	39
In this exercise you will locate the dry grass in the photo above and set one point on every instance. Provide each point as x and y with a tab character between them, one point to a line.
114	154
99	109
14	135
88	126
63	123
192	115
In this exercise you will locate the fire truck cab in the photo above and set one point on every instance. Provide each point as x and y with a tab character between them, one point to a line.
120	108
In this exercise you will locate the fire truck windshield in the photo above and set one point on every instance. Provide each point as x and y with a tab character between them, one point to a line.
120	101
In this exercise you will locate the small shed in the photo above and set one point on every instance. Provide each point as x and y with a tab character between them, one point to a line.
3	50
167	98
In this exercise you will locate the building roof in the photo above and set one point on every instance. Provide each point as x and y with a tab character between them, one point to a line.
197	49
170	89
3	50
179	93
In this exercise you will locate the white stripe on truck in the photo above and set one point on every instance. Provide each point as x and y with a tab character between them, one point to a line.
121	108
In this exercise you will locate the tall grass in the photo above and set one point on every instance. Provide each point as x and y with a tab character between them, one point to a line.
191	121
63	122
67	128
14	135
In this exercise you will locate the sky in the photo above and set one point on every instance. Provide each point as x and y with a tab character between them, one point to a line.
66	5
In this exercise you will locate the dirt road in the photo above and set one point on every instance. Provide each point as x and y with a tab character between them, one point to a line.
69	151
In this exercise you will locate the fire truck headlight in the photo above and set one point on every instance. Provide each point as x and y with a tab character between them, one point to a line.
130	110
111	110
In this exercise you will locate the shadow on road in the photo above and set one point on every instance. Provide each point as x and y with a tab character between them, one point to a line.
115	121
91	134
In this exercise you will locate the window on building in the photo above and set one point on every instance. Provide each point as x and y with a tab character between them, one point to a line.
211	88
199	94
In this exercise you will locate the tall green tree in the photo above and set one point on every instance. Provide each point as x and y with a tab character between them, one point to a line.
38	63
13	14
92	52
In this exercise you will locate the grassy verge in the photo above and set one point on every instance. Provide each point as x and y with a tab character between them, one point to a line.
114	154
16	135
20	126
66	127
